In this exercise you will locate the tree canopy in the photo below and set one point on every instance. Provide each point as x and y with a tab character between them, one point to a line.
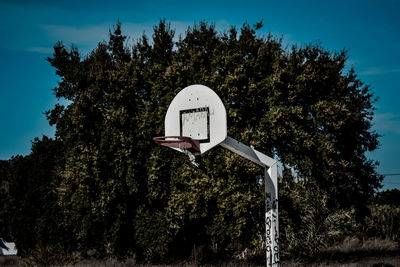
118	193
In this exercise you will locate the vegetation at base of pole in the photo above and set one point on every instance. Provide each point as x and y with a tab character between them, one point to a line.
101	188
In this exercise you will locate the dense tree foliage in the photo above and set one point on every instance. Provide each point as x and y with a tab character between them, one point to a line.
115	192
30	215
4	202
388	197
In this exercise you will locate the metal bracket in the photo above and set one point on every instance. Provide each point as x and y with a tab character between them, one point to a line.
271	194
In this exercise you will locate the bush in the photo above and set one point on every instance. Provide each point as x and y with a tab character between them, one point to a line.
50	255
307	223
384	222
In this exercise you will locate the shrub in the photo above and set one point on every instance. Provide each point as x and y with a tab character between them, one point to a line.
50	255
307	223
384	222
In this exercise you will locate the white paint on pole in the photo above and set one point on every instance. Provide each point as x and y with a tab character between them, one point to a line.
271	215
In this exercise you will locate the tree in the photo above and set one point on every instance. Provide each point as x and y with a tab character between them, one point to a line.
33	216
5	209
120	193
388	197
321	125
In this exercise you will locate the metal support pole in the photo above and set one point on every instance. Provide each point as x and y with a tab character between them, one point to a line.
271	195
271	216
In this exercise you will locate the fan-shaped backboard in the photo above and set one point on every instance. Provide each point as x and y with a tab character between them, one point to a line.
197	112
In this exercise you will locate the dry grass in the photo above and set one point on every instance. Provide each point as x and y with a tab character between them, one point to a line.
352	252
10	261
354	244
366	262
394	261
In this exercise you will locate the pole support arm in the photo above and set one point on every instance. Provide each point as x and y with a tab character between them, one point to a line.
248	152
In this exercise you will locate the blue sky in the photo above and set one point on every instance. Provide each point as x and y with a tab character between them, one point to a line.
369	30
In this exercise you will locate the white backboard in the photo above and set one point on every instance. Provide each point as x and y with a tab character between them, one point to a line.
12	250
197	112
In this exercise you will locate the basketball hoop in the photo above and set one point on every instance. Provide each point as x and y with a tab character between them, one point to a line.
187	145
181	142
198	112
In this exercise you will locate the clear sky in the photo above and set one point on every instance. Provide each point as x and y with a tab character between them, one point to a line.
369	30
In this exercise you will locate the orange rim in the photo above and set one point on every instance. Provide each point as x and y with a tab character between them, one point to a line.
181	142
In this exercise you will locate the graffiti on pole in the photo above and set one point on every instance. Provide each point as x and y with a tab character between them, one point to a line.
271	225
